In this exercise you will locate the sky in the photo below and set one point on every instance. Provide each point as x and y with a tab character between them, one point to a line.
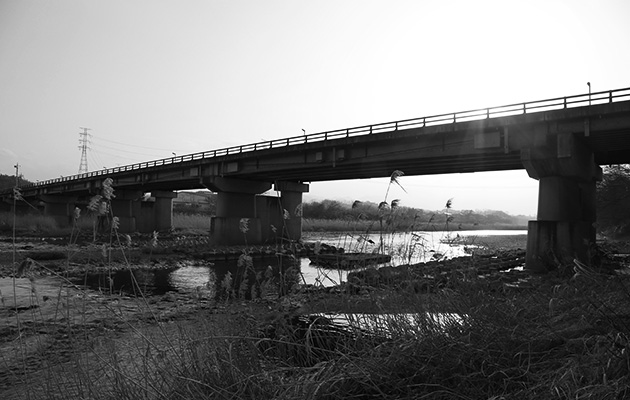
150	78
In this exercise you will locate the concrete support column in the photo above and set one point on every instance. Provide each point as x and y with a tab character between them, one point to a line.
237	221
564	229
291	208
124	206
163	210
154	213
232	204
60	208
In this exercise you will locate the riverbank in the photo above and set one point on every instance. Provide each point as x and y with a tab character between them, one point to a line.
561	335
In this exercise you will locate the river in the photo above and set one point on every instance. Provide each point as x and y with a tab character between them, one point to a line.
404	247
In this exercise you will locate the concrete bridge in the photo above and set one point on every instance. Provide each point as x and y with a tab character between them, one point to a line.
561	142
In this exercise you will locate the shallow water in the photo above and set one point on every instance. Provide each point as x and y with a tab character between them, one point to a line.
387	324
410	247
190	276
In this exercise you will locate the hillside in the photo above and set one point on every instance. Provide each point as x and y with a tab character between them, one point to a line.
8	181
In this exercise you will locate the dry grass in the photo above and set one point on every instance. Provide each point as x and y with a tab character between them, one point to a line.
28	223
556	339
42	224
191	221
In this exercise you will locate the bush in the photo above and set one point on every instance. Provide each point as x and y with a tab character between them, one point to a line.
613	205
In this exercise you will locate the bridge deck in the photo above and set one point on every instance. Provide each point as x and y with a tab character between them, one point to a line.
488	139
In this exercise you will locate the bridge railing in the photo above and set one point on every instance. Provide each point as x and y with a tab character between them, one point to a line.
558	103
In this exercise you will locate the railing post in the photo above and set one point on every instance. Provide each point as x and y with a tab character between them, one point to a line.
565	102
396	126
610	96
370	129
487	113
348	132
524	108
454	118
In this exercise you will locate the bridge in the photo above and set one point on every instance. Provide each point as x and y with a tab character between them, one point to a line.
561	142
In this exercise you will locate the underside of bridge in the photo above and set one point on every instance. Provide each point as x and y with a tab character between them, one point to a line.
134	211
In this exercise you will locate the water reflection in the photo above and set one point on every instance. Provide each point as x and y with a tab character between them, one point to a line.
190	277
262	276
404	247
409	247
387	325
147	281
258	278
315	275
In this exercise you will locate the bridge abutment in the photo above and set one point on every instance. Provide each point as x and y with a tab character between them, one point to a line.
564	229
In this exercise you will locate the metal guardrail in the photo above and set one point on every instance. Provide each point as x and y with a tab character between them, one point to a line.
558	103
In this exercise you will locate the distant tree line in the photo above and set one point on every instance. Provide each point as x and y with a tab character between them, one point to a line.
405	216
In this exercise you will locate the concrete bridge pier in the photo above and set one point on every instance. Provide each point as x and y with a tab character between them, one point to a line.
156	213
237	220
564	229
60	208
136	214
290	208
125	206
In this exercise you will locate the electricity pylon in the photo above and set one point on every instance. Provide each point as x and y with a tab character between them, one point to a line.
83	146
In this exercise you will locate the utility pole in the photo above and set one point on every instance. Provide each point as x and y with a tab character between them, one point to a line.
17	174
83	146
16	194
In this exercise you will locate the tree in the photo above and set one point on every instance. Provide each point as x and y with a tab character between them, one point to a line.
8	181
325	209
613	200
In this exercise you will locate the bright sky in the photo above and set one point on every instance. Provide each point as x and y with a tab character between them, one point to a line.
155	77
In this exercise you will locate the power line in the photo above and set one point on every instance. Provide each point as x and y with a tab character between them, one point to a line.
128	151
135	159
83	146
96	160
133	145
